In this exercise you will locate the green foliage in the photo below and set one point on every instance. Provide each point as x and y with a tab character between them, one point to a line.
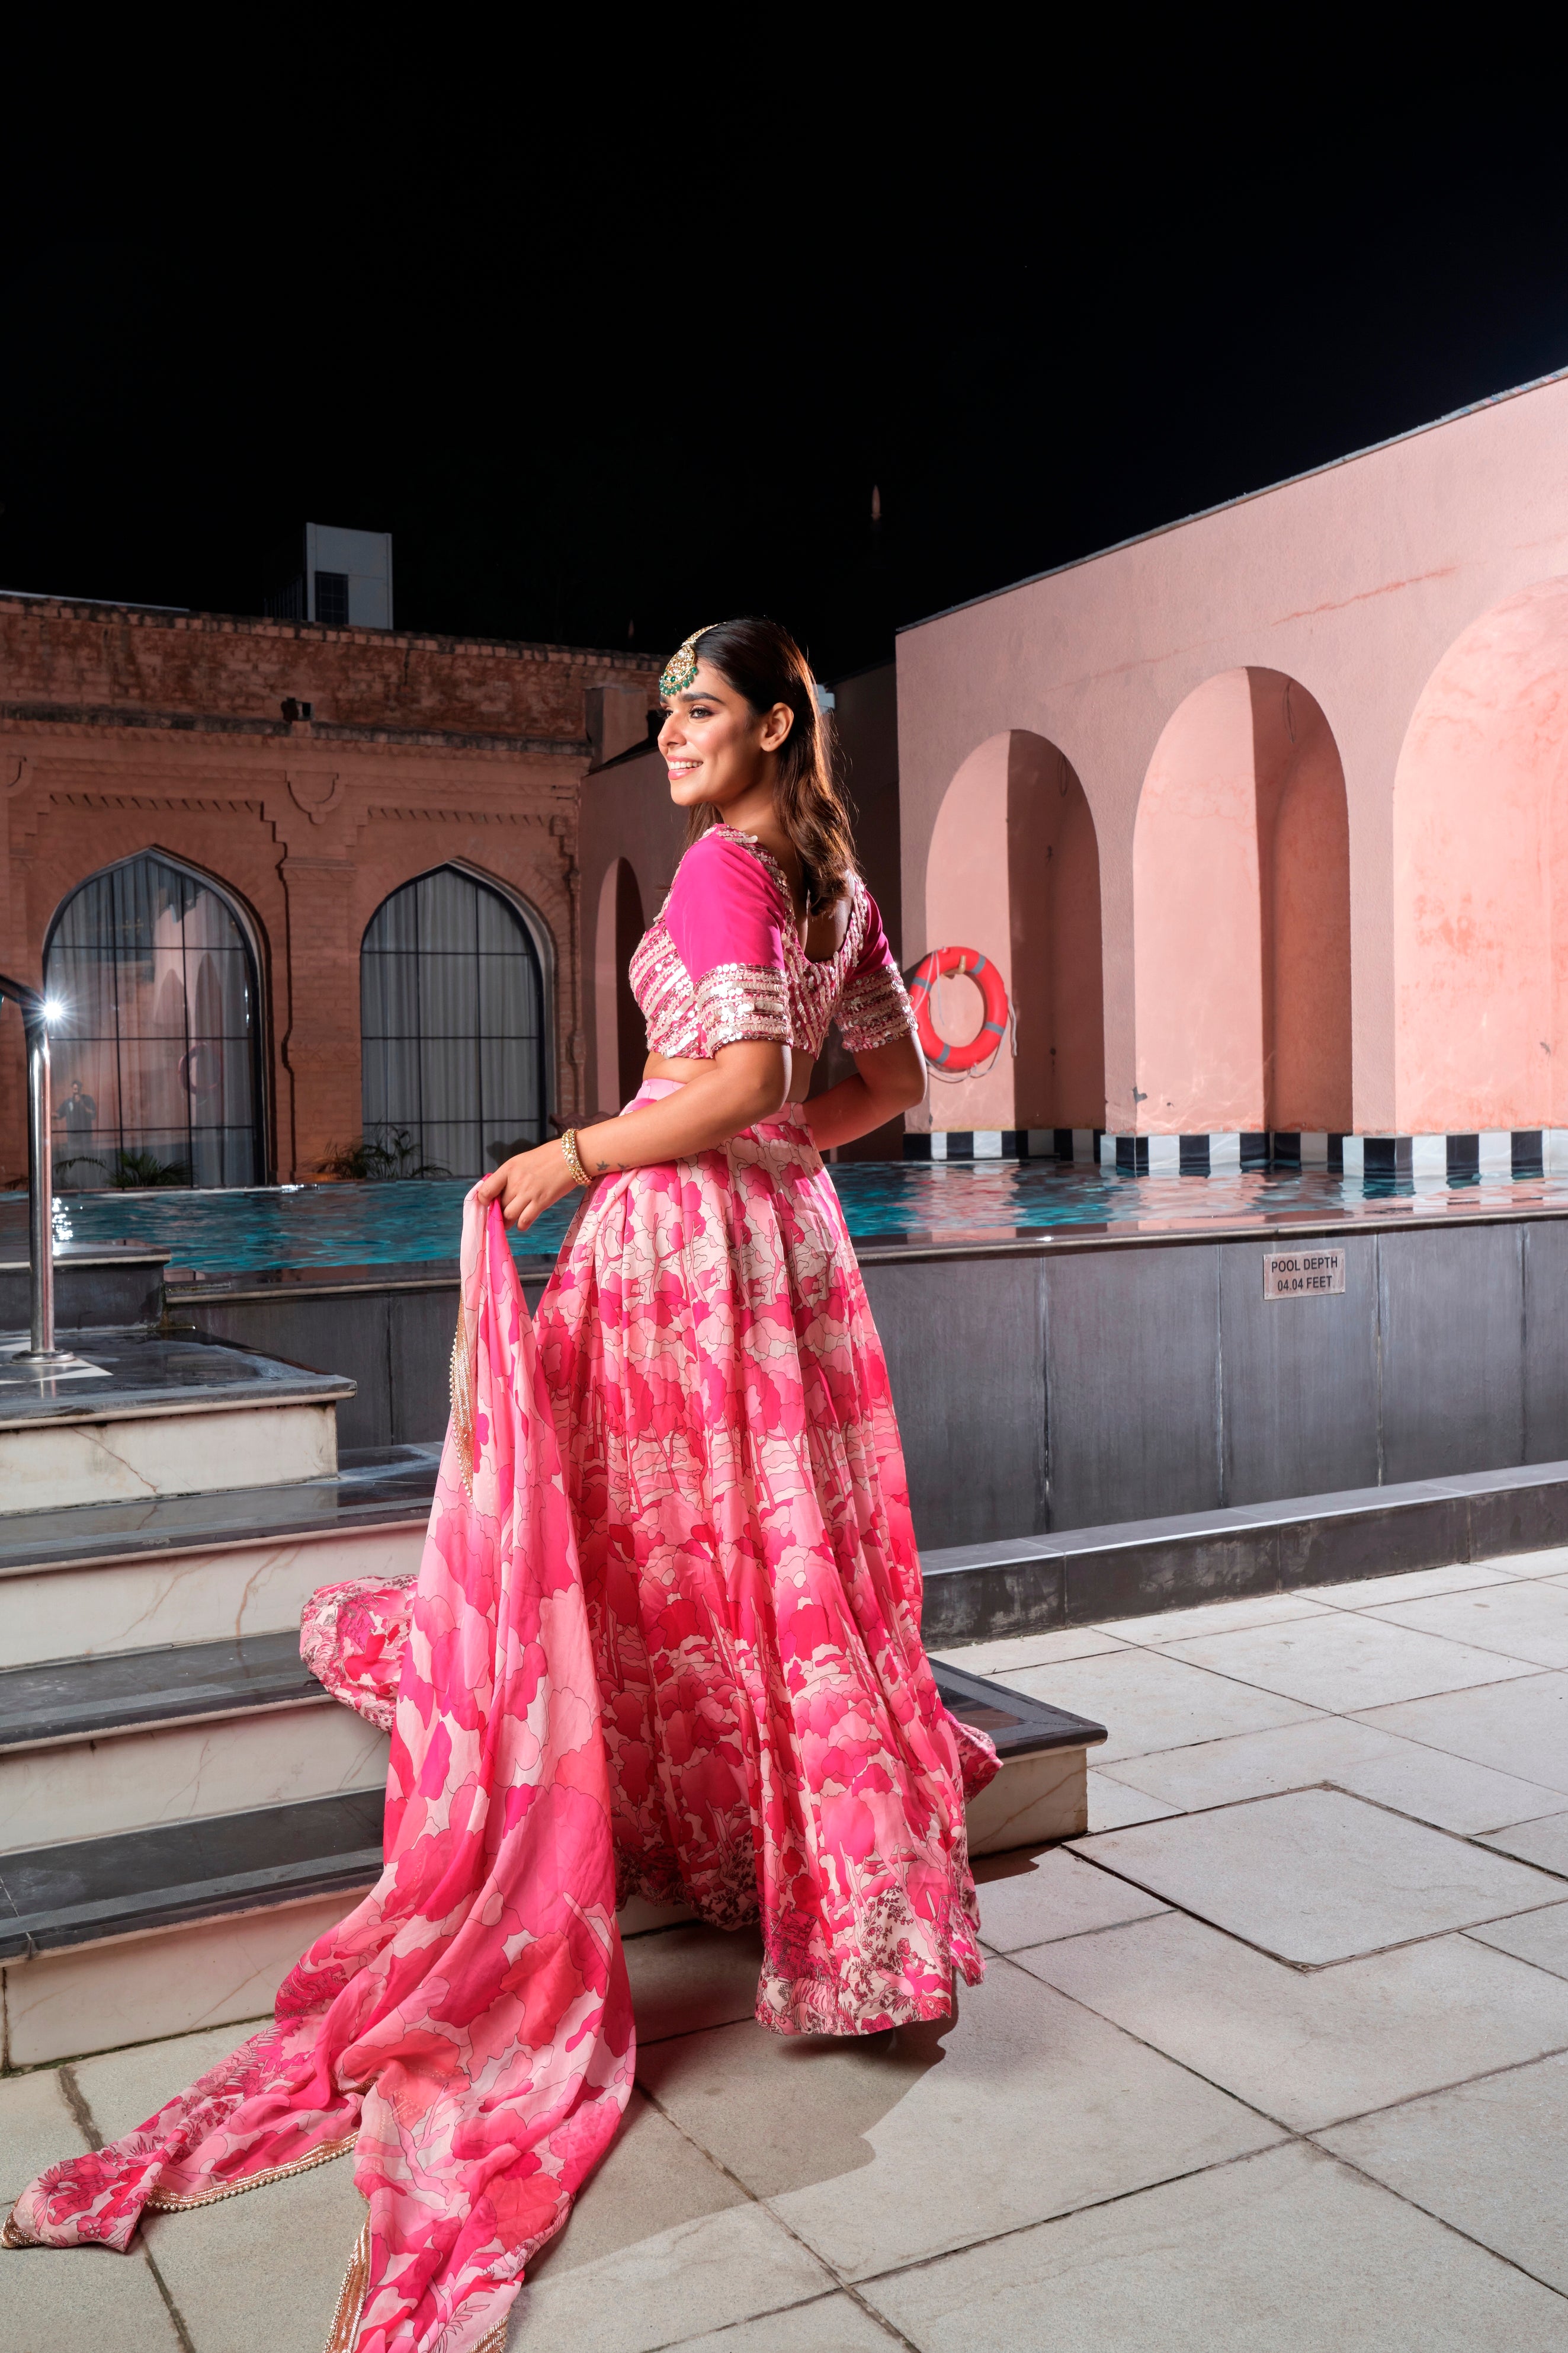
379	1161
130	1172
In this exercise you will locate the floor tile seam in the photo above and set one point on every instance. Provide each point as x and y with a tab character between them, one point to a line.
1273	1692
1458	1642
1475	1937
1090	2205
1073	1935
176	2317
1301	2132
1186	2066
1265	1626
1355	1609
1466	1839
1435	2092
680	2033
1210	1740
1468	2238
1294	1789
1362	1717
116	2050
802	2303
1472	1839
1174	1909
752	2198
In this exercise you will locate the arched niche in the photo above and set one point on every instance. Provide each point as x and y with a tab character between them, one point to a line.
1014	870
157	1057
1241	915
619	1034
1480	878
454	1023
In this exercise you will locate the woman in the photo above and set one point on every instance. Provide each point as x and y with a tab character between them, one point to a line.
669	1611
777	1746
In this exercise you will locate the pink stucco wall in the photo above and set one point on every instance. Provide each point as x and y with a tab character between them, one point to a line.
1410	603
1017	812
630	837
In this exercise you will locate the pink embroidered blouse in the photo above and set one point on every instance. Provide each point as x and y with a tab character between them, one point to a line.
722	961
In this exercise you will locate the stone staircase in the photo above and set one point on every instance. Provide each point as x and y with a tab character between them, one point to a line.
182	1807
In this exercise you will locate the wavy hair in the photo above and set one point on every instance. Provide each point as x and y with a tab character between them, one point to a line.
762	661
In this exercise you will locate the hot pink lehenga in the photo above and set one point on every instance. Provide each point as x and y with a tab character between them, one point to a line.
669	1645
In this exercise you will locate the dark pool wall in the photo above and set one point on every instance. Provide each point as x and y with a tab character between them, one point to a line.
1160	1380
1100	1384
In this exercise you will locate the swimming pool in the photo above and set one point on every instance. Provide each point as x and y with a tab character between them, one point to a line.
884	1202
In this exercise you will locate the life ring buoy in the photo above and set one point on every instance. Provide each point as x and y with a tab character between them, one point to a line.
993	1028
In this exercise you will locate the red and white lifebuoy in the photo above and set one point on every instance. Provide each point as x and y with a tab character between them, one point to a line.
993	1028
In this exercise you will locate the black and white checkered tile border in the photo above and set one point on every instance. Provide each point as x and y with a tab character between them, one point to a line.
1521	1152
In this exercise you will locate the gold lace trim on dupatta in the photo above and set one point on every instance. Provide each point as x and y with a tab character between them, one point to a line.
351	2304
323	2155
465	1375
12	2237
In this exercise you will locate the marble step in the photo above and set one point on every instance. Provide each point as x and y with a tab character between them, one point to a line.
118	1938
139	1414
98	1579
136	1739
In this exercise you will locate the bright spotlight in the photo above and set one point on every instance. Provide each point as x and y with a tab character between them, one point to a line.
53	1007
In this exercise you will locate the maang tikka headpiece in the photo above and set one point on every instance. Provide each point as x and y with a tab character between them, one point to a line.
681	668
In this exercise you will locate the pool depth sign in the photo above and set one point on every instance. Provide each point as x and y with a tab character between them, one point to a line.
1303	1273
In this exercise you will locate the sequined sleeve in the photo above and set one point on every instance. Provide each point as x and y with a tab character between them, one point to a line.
727	921
874	1008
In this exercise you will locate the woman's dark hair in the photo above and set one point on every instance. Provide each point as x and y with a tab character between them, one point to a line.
762	662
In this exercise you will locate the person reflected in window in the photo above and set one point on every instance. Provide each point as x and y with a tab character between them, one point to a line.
78	1113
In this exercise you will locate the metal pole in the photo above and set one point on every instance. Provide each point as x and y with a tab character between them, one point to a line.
40	1185
40	1173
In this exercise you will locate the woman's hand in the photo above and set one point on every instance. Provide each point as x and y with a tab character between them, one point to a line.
528	1184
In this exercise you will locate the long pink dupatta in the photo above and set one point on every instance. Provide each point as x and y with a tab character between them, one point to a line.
467	2029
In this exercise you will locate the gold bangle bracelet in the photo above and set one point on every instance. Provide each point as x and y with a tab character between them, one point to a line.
569	1146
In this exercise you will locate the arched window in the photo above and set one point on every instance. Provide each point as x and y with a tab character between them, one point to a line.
156	1058
452	1025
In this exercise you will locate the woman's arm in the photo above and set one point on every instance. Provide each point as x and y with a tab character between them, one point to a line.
742	1084
887	1079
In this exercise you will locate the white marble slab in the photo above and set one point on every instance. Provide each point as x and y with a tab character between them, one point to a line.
206	1595
1516	1728
1311	2046
1288	2252
1487	2156
1316	1876
224	1766
45	1466
891	2148
212	1973
1342	1660
1148	1699
1031	1898
701	2275
1031	1801
1522	1621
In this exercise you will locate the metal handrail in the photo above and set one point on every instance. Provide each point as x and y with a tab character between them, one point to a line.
33	1010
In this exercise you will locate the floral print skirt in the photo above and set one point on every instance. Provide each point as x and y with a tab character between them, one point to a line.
777	1748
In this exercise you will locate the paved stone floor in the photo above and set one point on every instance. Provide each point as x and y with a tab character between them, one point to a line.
1277	2058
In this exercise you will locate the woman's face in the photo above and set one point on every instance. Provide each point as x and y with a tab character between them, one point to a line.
716	747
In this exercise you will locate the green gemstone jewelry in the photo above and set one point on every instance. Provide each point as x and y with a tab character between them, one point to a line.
681	668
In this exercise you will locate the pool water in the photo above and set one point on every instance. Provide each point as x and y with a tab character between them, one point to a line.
401	1224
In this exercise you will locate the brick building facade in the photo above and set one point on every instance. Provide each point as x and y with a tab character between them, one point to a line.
307	774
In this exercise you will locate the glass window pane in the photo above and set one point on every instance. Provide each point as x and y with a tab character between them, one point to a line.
159	1042
451	1008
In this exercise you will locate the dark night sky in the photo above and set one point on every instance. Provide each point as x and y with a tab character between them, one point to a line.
610	343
